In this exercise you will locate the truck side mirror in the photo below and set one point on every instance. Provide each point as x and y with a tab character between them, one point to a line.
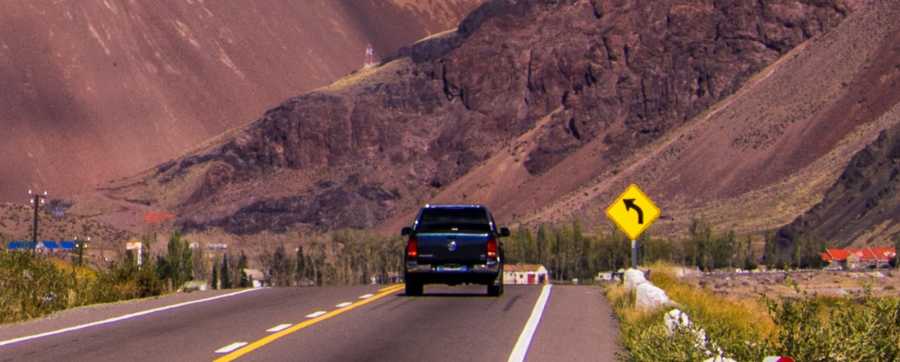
405	231
504	232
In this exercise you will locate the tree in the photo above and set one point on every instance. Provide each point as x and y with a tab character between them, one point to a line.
897	248
701	239
543	244
242	264
226	273
770	251
214	280
749	261
178	267
530	252
199	264
300	268
282	264
724	254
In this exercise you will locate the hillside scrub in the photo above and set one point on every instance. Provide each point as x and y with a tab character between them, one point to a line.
809	328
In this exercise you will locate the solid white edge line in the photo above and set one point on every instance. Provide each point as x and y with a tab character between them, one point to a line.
231	347
119	318
365	296
521	347
344	304
278	328
316	314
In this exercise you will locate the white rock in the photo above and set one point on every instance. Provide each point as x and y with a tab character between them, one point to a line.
676	319
649	296
633	278
719	359
194	285
682	272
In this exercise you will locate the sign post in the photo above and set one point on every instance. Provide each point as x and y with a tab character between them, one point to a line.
633	212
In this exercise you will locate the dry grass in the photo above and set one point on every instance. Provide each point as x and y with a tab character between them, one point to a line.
742	327
748	314
806	327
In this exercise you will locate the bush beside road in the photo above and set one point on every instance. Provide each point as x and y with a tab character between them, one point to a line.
808	328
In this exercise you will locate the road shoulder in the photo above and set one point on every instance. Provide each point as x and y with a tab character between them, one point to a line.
577	325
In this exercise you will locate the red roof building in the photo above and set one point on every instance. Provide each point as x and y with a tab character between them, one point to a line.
854	258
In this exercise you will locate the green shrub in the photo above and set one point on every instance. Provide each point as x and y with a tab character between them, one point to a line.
828	329
31	286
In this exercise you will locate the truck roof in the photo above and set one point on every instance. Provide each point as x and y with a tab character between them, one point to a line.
454	206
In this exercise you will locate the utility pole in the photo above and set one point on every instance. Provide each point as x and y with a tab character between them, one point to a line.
80	245
36	201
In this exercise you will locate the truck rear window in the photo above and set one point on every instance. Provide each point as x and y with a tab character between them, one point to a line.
447	220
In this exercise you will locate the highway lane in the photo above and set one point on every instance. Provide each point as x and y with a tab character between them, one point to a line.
190	333
447	324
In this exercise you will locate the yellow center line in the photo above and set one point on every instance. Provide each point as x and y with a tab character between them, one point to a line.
275	336
389	287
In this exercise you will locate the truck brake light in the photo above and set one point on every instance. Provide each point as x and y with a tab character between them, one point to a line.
412	247
492	248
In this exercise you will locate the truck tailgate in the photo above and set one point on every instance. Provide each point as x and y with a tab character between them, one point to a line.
452	248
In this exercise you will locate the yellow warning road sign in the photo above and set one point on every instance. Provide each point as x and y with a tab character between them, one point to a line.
633	212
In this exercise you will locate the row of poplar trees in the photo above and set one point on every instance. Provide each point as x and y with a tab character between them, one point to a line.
345	257
568	252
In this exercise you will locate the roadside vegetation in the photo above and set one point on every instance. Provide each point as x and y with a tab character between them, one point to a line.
345	257
808	328
34	285
568	252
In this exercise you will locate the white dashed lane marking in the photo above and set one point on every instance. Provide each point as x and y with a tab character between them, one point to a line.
344	304
231	347
316	314
279	327
365	296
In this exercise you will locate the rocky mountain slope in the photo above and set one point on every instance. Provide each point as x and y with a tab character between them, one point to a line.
770	152
94	90
863	205
521	107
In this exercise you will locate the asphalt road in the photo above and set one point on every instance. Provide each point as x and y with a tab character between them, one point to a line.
352	324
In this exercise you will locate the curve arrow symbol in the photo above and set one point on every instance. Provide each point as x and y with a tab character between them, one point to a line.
629	204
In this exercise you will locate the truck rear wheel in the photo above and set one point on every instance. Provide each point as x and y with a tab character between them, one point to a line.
414	289
495	290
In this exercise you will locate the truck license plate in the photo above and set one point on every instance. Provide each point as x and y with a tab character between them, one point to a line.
442	268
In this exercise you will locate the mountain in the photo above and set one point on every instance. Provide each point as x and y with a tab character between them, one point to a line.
863	205
537	108
772	151
96	90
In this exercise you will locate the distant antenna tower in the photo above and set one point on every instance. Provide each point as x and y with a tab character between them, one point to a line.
370	57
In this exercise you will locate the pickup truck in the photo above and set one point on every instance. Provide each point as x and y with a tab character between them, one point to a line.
454	244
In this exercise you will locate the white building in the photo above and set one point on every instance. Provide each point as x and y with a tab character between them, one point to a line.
525	274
